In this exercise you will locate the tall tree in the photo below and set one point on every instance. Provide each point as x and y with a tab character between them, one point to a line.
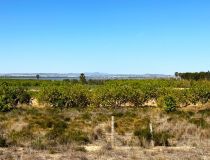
83	78
37	76
177	74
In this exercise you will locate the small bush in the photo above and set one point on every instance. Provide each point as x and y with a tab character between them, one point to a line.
73	137
19	137
38	144
24	97
205	112
65	96
168	103
5	107
200	122
86	116
3	142
159	138
80	149
143	135
78	136
57	131
11	96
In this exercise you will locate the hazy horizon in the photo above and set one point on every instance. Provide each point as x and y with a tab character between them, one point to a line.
88	73
106	36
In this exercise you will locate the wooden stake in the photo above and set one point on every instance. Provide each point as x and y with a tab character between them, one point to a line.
151	132
112	132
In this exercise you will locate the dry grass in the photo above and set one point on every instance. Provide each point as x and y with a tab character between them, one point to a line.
44	133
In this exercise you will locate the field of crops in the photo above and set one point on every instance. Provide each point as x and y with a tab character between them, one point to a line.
168	94
73	116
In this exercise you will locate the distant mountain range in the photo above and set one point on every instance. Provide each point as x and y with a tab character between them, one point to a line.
94	75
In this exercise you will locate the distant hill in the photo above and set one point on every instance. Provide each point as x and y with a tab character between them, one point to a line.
94	75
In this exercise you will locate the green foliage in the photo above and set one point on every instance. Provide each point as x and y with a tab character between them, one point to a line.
75	136
65	97
96	82
159	138
37	76
199	93
103	93
5	107
194	76
23	96
126	92
116	95
57	130
19	137
3	142
62	135
205	112
162	139
38	144
10	97
168	103
83	78
143	133
200	122
80	149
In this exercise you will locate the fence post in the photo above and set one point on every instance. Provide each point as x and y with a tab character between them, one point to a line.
112	132
151	132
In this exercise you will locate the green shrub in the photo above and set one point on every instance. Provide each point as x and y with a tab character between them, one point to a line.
78	136
205	112
3	142
200	122
162	139
72	136
5	107
86	116
38	144
58	129
116	95
23	96
66	96
43	122
159	138
19	137
80	149
143	133
168	103
11	96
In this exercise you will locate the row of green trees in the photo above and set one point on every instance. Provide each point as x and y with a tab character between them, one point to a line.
65	96
36	83
83	80
194	76
168	94
10	97
121	93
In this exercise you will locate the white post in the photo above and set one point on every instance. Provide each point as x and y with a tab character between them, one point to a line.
151	132
112	132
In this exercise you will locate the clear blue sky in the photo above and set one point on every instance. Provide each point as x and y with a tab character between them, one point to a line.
111	36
